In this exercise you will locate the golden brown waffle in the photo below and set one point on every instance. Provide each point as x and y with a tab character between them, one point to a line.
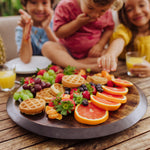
96	79
56	88
45	94
32	106
72	81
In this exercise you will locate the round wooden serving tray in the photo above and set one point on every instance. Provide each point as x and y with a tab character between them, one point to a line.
68	128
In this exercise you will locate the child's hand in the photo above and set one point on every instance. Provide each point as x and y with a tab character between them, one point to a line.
142	70
83	19
107	62
25	22
48	17
95	51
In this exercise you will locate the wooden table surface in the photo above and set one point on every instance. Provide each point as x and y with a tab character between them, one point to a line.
137	137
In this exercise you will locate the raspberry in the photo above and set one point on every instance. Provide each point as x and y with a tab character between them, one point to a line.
86	94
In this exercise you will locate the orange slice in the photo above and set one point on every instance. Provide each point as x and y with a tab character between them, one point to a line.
104	104
115	90
91	114
113	98
107	75
122	83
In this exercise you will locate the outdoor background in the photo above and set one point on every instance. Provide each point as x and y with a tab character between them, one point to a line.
11	7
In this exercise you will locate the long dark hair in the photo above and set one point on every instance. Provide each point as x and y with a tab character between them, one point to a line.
123	18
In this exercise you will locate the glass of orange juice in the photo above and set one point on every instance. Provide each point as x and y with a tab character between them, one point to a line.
133	58
7	78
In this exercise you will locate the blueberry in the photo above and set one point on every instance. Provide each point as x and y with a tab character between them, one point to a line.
67	92
81	89
85	102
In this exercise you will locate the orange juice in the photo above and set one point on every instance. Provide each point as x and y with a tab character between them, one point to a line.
133	58
7	79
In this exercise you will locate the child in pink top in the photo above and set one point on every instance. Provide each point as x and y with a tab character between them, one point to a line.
84	28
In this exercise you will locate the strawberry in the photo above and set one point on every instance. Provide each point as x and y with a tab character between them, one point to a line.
110	83
28	80
59	77
41	72
72	94
54	67
65	106
86	94
73	90
84	76
94	90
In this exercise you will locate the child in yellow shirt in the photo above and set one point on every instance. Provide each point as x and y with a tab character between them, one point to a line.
133	34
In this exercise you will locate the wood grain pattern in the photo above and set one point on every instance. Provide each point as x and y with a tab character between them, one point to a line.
15	137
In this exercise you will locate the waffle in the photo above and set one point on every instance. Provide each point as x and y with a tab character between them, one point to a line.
56	88
97	79
72	81
45	94
32	106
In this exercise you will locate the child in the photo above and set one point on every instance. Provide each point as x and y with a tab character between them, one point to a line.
35	28
132	34
83	28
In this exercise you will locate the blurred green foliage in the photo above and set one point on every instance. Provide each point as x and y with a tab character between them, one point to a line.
9	7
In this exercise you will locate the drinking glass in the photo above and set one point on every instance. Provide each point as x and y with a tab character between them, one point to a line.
7	77
133	58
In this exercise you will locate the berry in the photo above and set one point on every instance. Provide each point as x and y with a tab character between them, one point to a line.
58	78
73	90
86	94
85	102
94	90
41	72
55	68
110	83
28	80
84	76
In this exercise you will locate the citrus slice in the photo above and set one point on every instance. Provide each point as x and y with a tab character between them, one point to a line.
122	83
105	74
115	90
104	104
91	114
113	98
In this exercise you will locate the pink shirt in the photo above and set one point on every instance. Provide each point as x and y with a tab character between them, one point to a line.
87	36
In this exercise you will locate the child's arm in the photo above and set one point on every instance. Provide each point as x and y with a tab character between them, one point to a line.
97	49
141	70
45	25
26	47
109	60
70	28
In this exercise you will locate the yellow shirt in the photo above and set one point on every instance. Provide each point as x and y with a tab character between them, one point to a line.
141	43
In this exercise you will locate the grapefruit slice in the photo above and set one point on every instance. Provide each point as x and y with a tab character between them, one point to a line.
115	90
122	83
104	104
113	98
91	114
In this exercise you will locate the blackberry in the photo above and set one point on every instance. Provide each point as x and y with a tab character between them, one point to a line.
100	90
91	83
85	102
